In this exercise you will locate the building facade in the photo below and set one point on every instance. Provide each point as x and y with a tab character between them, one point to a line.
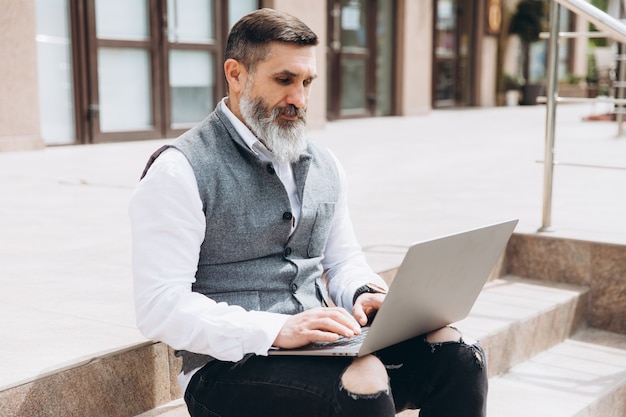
93	71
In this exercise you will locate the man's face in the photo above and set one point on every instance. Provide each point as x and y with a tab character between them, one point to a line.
273	102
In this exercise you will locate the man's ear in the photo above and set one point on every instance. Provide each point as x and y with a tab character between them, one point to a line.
235	74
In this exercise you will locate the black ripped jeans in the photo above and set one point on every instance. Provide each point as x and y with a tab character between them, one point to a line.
441	379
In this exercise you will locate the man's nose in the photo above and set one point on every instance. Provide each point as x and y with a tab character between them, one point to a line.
298	96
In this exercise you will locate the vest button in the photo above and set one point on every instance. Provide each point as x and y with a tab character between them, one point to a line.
287	216
294	288
270	169
287	251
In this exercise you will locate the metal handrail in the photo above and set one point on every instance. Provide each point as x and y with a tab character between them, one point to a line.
600	19
548	166
568	35
605	22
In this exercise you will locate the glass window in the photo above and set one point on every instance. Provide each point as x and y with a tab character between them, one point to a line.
122	19
124	86
54	62
539	52
192	85
353	29
446	28
190	20
239	8
564	44
384	61
445	74
353	80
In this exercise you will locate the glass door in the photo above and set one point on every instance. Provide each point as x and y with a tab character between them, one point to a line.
360	58
452	72
153	65
54	64
124	83
190	51
354	56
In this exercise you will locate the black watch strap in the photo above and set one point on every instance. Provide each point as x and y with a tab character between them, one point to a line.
368	288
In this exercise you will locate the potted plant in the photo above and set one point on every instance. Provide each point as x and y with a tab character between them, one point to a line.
528	22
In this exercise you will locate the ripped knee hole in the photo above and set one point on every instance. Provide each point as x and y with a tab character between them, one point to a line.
365	376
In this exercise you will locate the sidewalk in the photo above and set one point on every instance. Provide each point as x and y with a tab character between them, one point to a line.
65	273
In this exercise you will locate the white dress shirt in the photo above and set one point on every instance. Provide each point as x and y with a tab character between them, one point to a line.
168	228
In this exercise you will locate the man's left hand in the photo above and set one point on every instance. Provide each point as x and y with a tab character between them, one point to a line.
366	306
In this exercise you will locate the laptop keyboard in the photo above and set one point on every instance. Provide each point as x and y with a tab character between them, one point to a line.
343	341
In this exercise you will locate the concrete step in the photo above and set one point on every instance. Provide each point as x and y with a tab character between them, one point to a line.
176	408
514	318
584	376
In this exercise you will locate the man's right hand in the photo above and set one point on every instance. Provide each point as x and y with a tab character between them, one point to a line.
322	324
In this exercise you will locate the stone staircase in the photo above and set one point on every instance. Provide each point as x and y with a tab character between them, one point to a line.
552	321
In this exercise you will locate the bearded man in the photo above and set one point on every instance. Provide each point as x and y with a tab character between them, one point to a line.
234	224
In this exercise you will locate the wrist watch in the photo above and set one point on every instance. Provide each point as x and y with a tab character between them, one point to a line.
368	288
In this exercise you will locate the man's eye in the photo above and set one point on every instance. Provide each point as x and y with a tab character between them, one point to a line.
283	80
307	83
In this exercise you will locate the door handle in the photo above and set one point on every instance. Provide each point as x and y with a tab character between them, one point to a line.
93	110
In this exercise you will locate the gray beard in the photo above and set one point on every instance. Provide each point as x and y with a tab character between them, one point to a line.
284	138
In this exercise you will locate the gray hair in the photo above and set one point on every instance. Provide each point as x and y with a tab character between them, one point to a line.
248	41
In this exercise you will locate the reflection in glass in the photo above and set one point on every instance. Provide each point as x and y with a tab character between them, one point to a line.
190	20
445	81
564	45
124	89
353	29
384	59
453	61
353	80
192	85
239	8
445	44
54	62
122	19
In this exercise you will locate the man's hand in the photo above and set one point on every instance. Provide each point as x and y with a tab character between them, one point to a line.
322	324
366	306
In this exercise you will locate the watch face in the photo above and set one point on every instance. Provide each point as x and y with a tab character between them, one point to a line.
494	16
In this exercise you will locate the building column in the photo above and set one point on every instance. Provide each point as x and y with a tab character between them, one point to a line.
414	57
580	49
19	101
486	52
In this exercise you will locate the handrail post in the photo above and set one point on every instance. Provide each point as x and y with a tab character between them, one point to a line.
621	79
552	90
616	29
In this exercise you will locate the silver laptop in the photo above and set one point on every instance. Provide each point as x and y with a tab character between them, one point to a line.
436	285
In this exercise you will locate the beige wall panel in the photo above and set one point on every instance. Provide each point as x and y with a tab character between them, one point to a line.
313	13
511	56
415	41
580	50
510	59
488	72
19	106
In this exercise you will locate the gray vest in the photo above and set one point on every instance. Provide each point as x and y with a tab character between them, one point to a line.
248	258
